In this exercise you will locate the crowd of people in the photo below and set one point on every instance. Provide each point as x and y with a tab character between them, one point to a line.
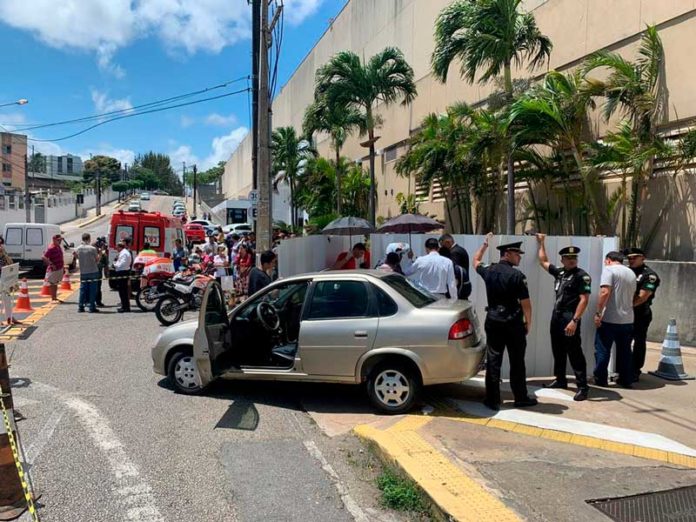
622	317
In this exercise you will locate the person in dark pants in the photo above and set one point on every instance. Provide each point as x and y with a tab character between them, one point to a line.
460	257
102	265
647	282
122	267
573	287
614	320
508	321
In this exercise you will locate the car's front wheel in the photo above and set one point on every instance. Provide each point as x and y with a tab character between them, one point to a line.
183	374
393	387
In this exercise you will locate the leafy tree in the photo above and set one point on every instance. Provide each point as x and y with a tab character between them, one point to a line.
288	153
636	90
346	82
206	177
357	186
146	177
37	163
109	169
121	187
336	120
489	36
160	165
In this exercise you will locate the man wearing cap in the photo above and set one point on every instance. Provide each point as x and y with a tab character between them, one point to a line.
647	282
53	259
508	321
573	287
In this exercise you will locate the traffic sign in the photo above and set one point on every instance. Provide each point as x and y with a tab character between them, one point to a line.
254	196
254	212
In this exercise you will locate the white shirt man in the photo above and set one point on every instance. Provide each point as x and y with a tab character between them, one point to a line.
434	272
123	261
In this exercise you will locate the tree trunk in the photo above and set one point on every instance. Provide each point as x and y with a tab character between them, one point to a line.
448	206
292	205
535	207
338	180
460	210
596	219
373	196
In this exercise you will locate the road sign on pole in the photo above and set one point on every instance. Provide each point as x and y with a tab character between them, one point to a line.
254	196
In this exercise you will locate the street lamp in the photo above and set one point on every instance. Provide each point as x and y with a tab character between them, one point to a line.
21	101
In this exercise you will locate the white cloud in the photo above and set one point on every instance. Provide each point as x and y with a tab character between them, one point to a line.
11	120
105	149
105	26
47	148
186	121
102	102
222	148
219	120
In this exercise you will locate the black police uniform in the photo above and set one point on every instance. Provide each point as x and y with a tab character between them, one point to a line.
570	285
505	288
646	279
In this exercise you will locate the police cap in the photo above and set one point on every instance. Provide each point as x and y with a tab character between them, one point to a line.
511	247
569	251
634	251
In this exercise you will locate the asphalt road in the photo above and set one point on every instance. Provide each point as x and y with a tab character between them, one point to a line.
107	439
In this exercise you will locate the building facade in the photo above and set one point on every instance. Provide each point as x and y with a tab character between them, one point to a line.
577	29
13	157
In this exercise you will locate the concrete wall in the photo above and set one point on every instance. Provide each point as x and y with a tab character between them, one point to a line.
576	27
58	208
674	299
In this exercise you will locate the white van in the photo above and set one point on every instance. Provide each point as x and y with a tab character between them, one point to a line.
26	243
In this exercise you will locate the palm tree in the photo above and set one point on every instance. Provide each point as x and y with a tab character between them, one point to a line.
489	35
345	81
555	113
288	156
338	121
637	91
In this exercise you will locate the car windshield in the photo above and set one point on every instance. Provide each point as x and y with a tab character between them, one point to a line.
414	294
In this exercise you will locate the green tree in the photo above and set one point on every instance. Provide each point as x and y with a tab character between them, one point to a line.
108	168
345	81
147	178
555	113
37	163
316	188
160	165
288	153
357	186
338	121
121	187
637	91
488	36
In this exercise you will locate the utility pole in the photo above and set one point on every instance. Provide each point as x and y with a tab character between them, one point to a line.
183	178
195	171
264	224
255	52
98	193
27	194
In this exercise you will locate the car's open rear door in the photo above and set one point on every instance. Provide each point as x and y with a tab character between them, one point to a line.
211	338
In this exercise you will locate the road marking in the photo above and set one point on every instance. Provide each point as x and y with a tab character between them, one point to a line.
351	505
456	494
132	489
43	437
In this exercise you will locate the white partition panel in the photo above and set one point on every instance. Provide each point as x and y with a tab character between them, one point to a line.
315	253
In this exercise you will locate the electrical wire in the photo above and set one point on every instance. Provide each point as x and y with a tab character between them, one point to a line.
131	109
133	114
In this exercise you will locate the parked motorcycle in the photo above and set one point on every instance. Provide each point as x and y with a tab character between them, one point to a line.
153	274
181	293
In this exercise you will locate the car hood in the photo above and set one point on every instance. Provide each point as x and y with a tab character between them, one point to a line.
183	330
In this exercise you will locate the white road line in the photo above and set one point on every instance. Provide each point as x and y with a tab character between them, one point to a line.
578	427
133	491
351	505
43	437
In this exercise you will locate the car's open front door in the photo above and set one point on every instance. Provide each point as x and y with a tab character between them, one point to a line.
211	340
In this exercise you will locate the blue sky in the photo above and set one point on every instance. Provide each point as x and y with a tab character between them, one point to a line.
75	58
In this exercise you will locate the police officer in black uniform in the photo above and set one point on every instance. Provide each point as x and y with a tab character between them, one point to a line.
647	282
573	287
508	321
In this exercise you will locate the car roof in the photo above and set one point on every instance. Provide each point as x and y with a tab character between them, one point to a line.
338	274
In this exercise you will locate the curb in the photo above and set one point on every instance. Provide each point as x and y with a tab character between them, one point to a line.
453	495
97	218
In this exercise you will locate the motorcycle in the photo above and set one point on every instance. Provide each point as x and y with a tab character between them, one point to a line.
181	293
154	273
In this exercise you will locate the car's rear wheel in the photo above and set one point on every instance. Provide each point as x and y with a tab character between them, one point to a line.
393	387
183	374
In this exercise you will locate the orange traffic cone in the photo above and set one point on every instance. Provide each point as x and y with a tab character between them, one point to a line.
65	283
46	288
23	303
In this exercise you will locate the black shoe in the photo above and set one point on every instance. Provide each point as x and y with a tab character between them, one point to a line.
624	384
80	310
524	403
96	310
101	305
122	311
562	385
582	394
491	405
600	382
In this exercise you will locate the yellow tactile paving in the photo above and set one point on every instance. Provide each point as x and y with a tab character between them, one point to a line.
459	496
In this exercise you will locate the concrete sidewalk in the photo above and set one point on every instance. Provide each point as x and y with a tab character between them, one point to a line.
541	463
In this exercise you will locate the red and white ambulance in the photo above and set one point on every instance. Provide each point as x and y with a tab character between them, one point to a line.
154	228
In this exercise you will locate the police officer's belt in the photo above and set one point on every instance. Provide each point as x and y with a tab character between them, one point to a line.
502	313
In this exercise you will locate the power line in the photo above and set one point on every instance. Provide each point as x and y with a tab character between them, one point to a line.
131	109
133	114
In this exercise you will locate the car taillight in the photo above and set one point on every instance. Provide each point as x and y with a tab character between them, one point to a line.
461	330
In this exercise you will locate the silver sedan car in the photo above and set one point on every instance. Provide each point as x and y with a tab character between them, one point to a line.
344	327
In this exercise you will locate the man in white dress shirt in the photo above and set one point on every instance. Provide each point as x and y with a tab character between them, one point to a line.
434	272
122	267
